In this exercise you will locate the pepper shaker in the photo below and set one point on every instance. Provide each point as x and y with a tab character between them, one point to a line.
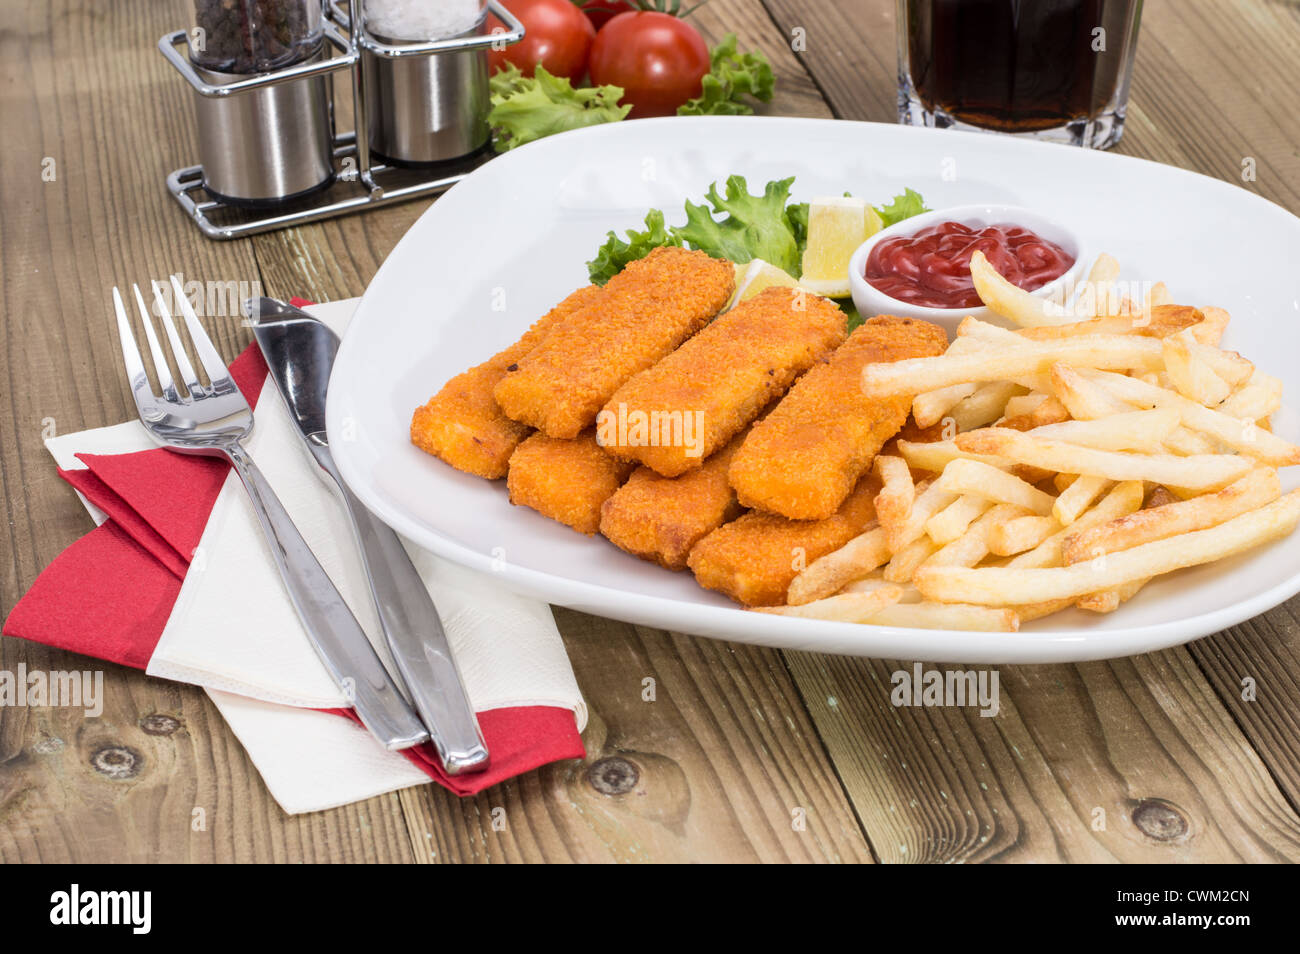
263	146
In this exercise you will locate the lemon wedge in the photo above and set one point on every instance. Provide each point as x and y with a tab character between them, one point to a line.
756	275
837	225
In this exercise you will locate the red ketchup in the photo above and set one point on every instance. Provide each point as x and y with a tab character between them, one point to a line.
932	268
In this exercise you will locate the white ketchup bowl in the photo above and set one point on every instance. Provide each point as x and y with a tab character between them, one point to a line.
870	301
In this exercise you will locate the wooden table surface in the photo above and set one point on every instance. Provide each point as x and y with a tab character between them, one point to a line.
1149	758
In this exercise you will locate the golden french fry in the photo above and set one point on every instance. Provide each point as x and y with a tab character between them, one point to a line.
1098	289
1191	375
980	480
1160	321
897	491
1084	399
1024	404
927	503
846	607
951	522
1107	601
830	573
875	581
926	615
1228	365
1021	534
906	560
1188	442
1204	471
1010	301
1214	321
1110	325
1050	411
973	545
1031	359
984	335
1077	498
1257	488
1253	441
1123	499
1032	611
1259	397
1129	430
931	407
985	405
1001	586
936	455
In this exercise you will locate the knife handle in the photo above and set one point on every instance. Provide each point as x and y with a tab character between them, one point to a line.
418	642
335	634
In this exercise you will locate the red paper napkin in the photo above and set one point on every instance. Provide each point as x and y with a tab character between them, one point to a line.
110	593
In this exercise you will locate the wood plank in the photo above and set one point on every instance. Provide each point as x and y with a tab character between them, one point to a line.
1255	668
1143	740
88	89
57	807
558	814
1193	105
159	778
722	764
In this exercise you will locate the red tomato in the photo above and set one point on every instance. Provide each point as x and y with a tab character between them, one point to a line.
558	35
600	12
658	59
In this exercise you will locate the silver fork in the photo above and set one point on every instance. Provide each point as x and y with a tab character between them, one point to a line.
212	421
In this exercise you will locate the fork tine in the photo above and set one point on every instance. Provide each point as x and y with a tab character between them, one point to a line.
164	373
218	373
178	346
135	372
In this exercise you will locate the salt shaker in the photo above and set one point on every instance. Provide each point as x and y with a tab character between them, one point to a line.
425	109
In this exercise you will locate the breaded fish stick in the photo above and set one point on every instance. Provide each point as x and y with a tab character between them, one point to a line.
704	393
646	311
661	518
566	480
804	458
462	423
754	558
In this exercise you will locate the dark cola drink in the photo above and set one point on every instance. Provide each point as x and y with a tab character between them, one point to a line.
1052	69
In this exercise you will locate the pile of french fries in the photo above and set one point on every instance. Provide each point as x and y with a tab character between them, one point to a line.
1100	444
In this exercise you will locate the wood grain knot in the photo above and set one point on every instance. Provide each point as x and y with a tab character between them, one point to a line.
1160	820
117	761
158	724
613	776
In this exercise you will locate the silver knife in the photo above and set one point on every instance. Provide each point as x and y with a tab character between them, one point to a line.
299	351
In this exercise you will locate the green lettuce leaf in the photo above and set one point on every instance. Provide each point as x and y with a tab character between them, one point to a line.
753	227
902	207
735	226
525	109
732	76
615	253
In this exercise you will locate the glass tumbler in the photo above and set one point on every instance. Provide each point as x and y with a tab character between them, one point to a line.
1049	69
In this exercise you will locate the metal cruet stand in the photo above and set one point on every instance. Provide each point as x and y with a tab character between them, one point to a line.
420	71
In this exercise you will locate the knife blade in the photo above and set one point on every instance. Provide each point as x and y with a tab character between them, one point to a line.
299	352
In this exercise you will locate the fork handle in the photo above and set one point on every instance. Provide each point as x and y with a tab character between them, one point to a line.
334	632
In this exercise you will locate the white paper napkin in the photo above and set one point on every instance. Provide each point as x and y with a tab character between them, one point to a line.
234	631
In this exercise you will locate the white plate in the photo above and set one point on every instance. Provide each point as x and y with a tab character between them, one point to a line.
501	247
